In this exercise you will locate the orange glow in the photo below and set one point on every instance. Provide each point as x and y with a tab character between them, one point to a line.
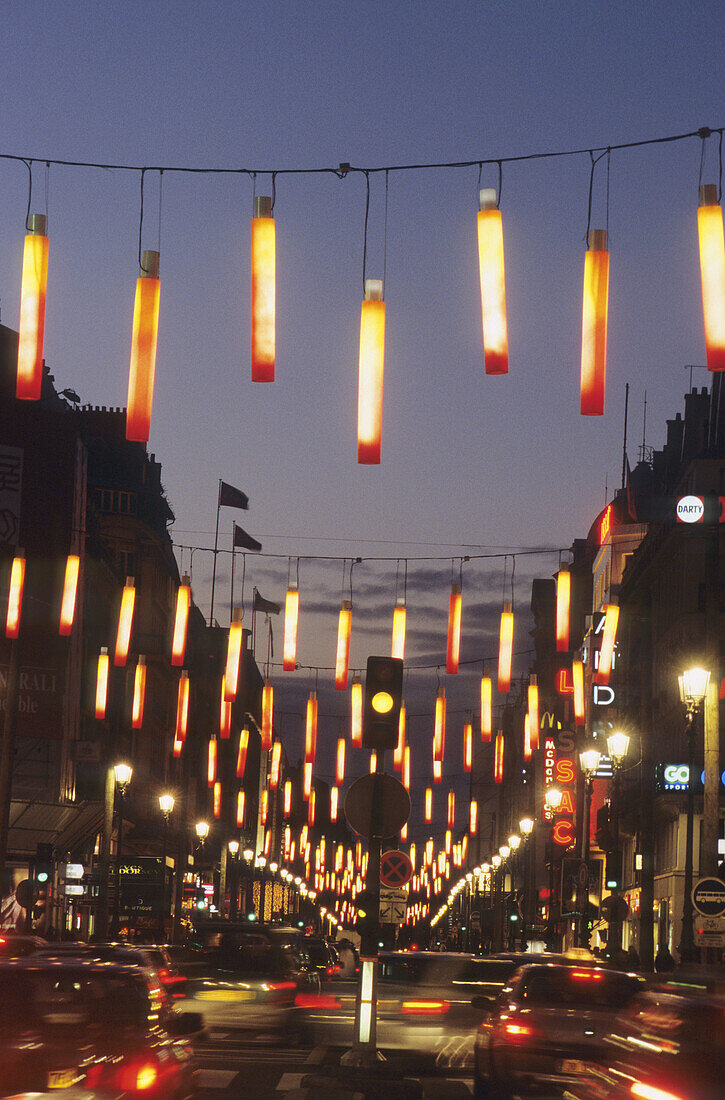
498	762
505	648
451	811
264	807
31	329
263	293
267	715
437	771
563	833
448	842
240	808
453	647
712	275
397	648
404	832
527	737
125	622
334	800
291	615
102	684
605	524
306	781
143	350
594	324
211	762
609	637
311	728
181	621
182	707
275	764
473	818
563	600
139	694
400	747
356	706
370	374
428	852
406	767
225	713
486	708
577	675
287	798
234	654
70	591
493	285
343	645
217	800
373	761
340	768
15	596
467	747
439	730
428	805
178	746
311	808
534	711
242	752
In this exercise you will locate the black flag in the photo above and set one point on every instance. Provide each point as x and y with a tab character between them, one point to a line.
231	497
241	538
260	604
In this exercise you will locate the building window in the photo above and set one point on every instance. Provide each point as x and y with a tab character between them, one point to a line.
127	504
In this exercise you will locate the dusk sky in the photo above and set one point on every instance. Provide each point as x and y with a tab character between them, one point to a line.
470	464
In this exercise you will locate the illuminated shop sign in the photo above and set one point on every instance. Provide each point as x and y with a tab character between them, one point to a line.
690	509
559	771
676	777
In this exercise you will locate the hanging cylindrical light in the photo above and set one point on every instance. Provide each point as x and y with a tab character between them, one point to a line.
31	329
263	290
311	802
448	841
240	809
397	647
505	648
334	803
493	286
467	747
373	761
437	771
534	711
70	592
182	707
356	708
181	622
428	813
267	715
473	818
498	761
577	676
125	621
486	708
242	752
225	713
139	693
594	324
406	768
340	763
712	274
451	810
453	646
291	615
563	601
264	807
101	684
217	800
609	637
400	746
143	349
343	645
234	654
370	374
439	728
275	764
287	798
527	737
311	728
306	781
211	762
15	595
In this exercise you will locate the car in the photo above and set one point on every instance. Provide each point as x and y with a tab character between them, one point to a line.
148	956
106	1028
548	1022
668	1044
17	945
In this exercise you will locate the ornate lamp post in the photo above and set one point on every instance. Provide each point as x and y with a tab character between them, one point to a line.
526	825
693	688
166	805
588	762
552	798
617	748
202	831
122	774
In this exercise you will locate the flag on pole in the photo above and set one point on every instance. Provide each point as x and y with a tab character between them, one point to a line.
241	538
260	604
231	497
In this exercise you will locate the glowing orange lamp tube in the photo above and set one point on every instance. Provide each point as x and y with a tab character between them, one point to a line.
291	614
437	771
406	768
311	808
274	765
486	708
577	676
234	653
370	374
594	324
712	274
467	747
473	818
451	811
609	637
527	737
125	622
428	805
533	694
397	648
498	762
340	763
225	714
505	648
211	762
31	329
334	801
311	728
264	807
343	645
439	729
182	706
181	621
15	595
563	601
306	781
102	684
263	290
217	800
70	592
267	715
240	808
242	753
453	648
493	285
356	707
139	693
287	798
143	349
400	747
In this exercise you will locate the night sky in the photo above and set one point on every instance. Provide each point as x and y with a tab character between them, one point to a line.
470	464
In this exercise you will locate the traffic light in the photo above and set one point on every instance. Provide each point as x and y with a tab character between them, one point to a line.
614	871
43	870
383	698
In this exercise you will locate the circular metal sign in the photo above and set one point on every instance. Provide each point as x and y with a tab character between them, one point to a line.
395	869
377	805
690	509
708	897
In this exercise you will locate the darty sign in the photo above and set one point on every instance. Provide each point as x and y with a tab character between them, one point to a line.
690	509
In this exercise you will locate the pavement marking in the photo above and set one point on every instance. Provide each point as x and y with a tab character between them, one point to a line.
216	1078
290	1081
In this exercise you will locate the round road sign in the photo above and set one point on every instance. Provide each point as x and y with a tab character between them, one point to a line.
377	805
708	897
395	869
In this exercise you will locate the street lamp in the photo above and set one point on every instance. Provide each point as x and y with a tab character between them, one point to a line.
526	825
202	831
552	799
693	689
233	847
166	805
588	762
617	748
122	774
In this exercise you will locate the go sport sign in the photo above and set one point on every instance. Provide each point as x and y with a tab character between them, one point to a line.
676	777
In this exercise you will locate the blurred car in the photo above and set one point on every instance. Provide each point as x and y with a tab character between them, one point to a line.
668	1044
103	1027
547	1024
17	945
148	956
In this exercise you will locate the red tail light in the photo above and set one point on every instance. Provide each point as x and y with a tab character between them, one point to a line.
515	1029
330	970
137	1075
424	1008
282	985
586	975
650	1092
317	1000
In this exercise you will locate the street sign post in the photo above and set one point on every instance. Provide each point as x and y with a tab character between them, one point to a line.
395	869
377	805
708	897
393	904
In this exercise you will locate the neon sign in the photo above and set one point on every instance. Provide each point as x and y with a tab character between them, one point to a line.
605	525
560	771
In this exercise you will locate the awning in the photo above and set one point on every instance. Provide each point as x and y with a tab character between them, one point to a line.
65	825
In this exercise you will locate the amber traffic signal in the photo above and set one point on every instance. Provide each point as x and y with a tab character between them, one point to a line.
383	699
